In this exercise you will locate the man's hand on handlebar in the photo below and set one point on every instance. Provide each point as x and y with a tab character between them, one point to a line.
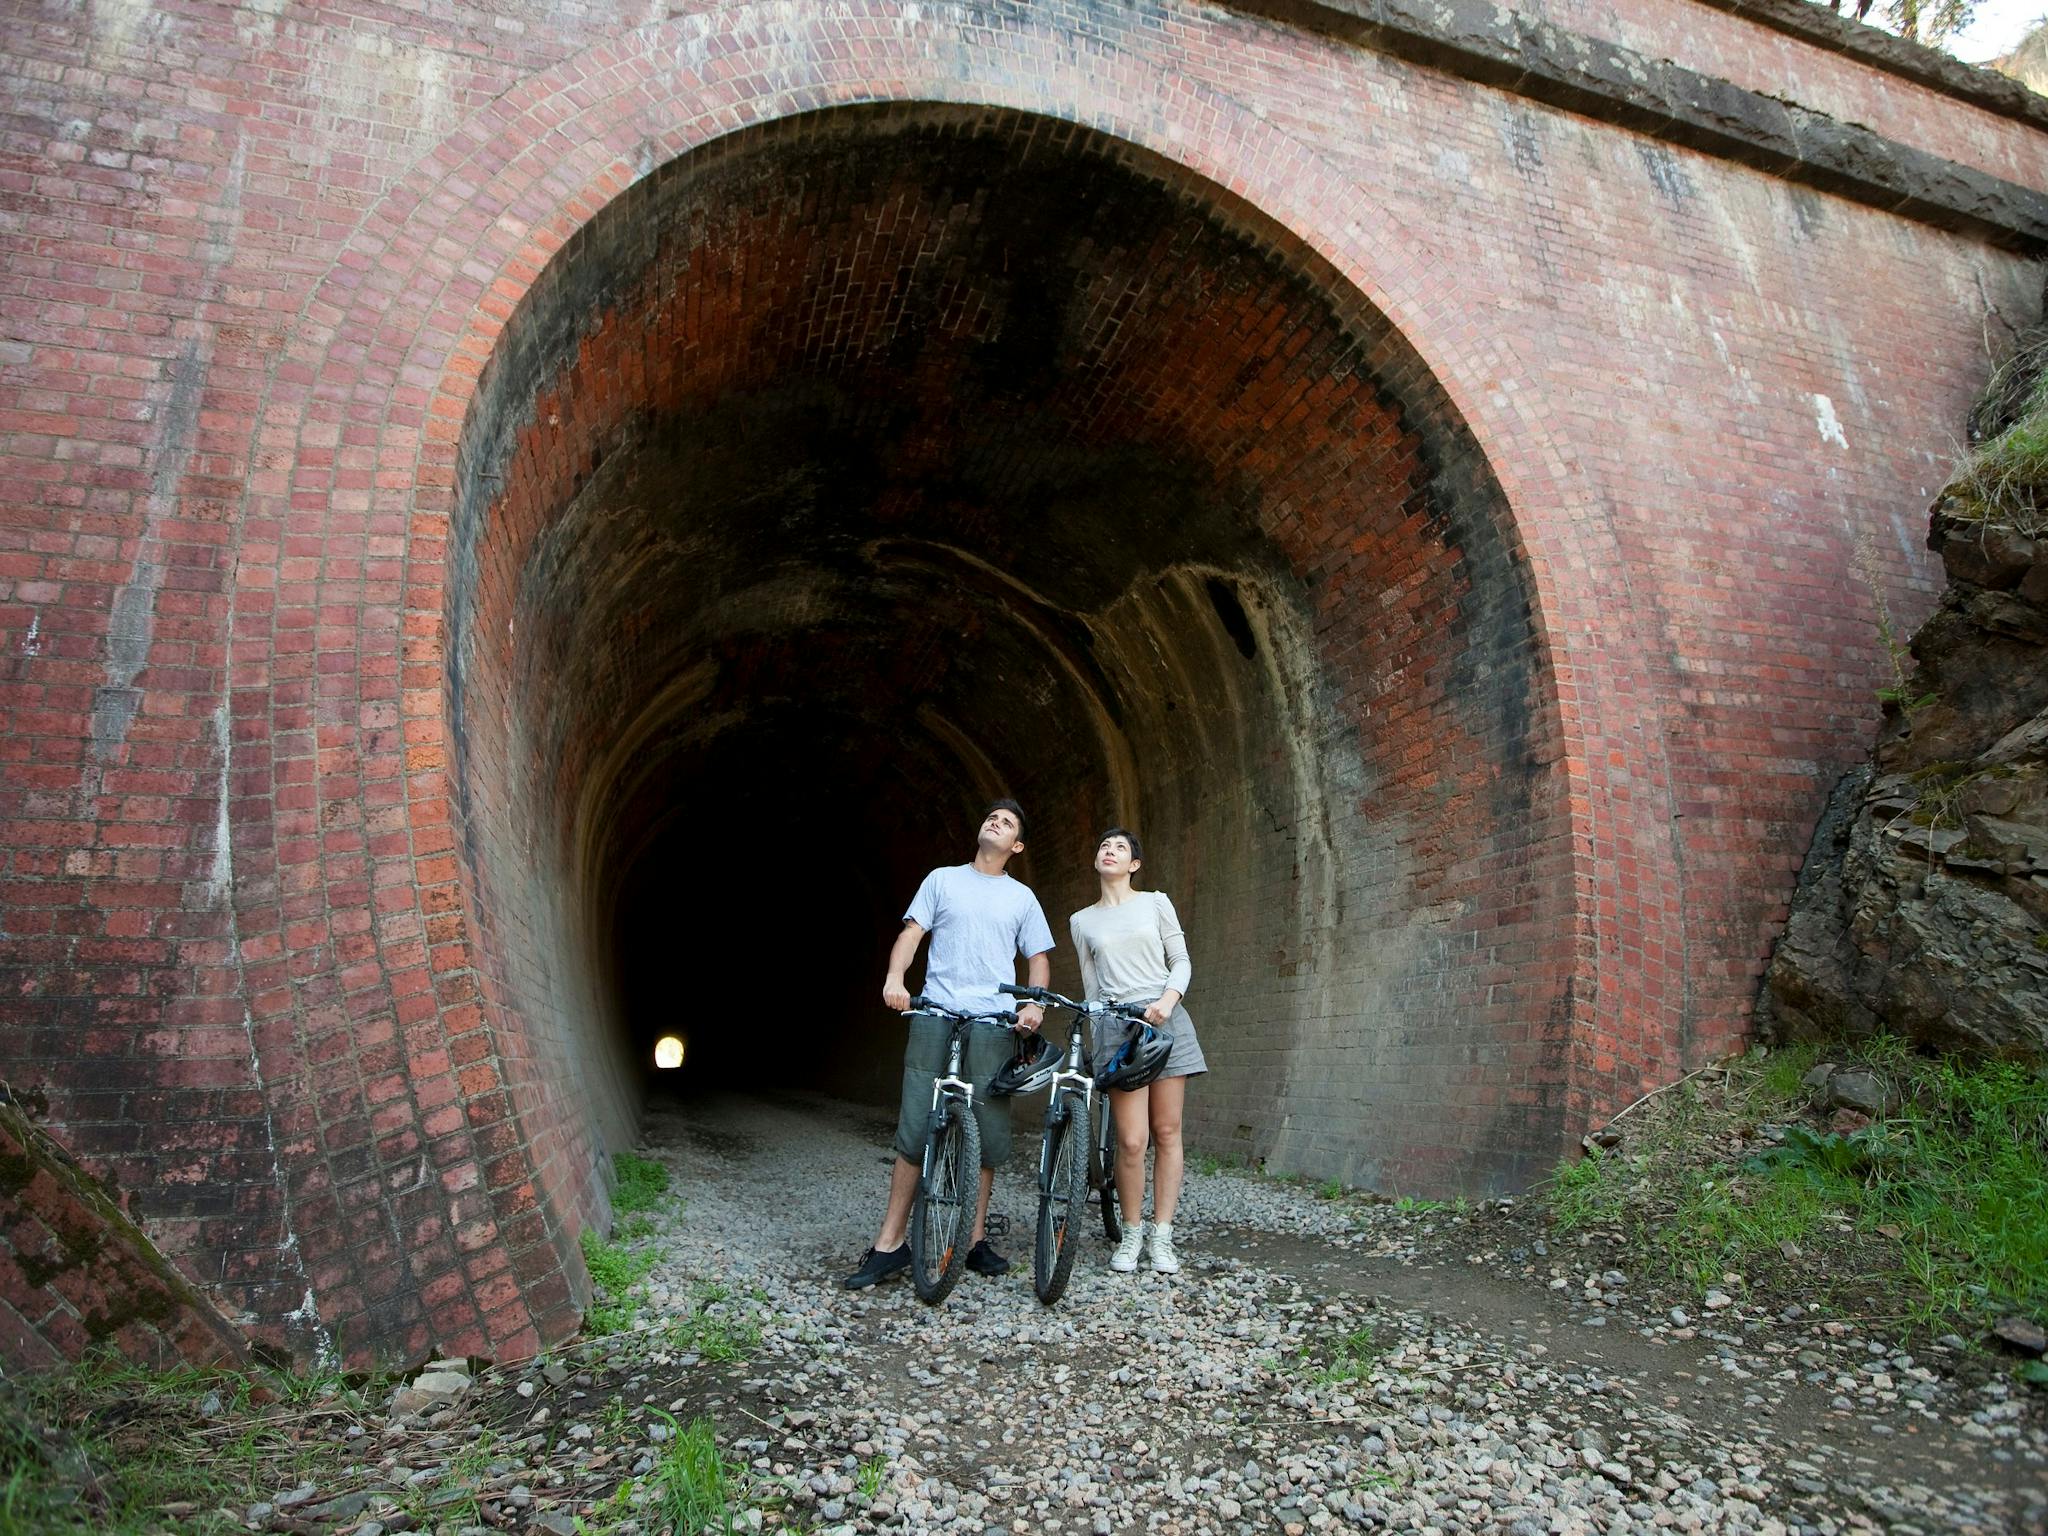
1029	1017
895	994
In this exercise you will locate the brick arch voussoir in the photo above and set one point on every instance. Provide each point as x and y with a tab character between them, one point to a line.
391	347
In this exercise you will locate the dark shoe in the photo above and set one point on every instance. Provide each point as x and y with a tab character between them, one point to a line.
984	1260
875	1266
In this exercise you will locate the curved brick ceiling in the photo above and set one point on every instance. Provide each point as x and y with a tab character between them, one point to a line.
847	472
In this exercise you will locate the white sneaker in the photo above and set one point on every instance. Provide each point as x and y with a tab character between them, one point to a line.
1164	1261
1125	1260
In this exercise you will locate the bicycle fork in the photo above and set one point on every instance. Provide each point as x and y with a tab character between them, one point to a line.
1066	1082
950	1084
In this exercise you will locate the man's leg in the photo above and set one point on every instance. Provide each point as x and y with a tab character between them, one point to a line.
903	1187
922	1056
896	1219
988	1183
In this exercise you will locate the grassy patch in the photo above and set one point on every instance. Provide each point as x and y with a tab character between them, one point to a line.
715	1328
615	1271
641	1183
2004	480
693	1485
452	1503
105	1446
1937	1212
1351	1356
2004	483
868	1481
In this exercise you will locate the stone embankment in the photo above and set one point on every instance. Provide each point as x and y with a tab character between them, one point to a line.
1923	907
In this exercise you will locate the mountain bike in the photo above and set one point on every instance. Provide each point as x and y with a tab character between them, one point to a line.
1071	1160
949	1177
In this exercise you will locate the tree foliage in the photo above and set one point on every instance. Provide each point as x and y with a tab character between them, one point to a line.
1918	21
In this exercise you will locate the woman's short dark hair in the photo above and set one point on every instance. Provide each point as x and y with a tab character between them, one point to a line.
1013	808
1137	848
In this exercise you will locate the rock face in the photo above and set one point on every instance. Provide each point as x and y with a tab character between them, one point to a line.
1923	906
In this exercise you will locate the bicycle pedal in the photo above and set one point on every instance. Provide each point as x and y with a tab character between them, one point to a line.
998	1224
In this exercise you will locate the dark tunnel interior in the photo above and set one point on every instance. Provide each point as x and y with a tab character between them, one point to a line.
847	473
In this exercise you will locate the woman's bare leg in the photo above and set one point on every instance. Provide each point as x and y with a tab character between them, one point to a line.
1169	1162
1132	1125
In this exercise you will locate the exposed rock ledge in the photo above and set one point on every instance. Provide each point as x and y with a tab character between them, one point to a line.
1922	910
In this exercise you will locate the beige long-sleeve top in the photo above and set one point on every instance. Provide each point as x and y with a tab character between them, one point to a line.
1133	952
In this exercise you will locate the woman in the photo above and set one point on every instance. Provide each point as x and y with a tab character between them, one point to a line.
1132	951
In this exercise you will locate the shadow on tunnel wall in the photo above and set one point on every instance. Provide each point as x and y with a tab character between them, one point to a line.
852	471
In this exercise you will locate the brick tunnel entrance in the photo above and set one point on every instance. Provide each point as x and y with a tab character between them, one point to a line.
854	469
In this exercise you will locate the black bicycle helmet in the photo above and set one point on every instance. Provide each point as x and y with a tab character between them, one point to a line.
1029	1070
1138	1061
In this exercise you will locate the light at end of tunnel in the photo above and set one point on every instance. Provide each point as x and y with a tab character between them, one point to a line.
668	1053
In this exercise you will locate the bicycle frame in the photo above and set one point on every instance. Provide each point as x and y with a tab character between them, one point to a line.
1076	1073
950	1084
1070	1079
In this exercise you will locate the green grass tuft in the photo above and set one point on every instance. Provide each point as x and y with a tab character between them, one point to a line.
868	1481
1351	1357
692	1484
615	1271
641	1183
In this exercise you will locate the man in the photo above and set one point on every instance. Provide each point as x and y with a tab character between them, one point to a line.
980	920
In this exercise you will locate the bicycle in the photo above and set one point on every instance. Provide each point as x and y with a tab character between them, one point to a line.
949	1177
1071	1160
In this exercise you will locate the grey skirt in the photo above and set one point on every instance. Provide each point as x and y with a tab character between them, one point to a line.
1184	1060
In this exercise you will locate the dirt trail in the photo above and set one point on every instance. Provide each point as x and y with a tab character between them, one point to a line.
1220	1399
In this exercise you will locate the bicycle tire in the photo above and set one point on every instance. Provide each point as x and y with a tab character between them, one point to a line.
1102	1171
1052	1256
942	1215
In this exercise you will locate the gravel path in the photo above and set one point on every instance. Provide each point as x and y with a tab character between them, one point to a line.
1482	1389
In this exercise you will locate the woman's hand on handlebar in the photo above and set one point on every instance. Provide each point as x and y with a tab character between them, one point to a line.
1029	1017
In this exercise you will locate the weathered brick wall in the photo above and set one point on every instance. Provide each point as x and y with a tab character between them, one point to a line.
1569	512
77	1274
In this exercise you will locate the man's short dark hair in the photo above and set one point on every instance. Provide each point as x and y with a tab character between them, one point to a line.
1137	848
1013	808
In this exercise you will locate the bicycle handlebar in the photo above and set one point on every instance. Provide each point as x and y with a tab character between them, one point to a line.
923	1004
1048	998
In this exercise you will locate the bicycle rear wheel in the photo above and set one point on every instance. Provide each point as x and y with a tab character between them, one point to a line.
942	1216
1102	1170
1065	1192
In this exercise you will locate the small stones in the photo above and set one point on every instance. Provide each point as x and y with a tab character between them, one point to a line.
1275	1392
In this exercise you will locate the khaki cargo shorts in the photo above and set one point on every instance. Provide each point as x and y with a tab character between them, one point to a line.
924	1058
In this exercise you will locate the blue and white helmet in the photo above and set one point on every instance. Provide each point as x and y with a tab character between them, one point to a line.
1138	1061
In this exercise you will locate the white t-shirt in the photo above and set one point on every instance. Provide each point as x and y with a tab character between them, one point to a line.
979	925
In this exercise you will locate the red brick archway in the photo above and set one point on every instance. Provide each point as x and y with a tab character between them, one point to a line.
447	1215
409	1140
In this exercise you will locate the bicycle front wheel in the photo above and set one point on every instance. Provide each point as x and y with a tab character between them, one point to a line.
942	1217
1065	1192
1102	1170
